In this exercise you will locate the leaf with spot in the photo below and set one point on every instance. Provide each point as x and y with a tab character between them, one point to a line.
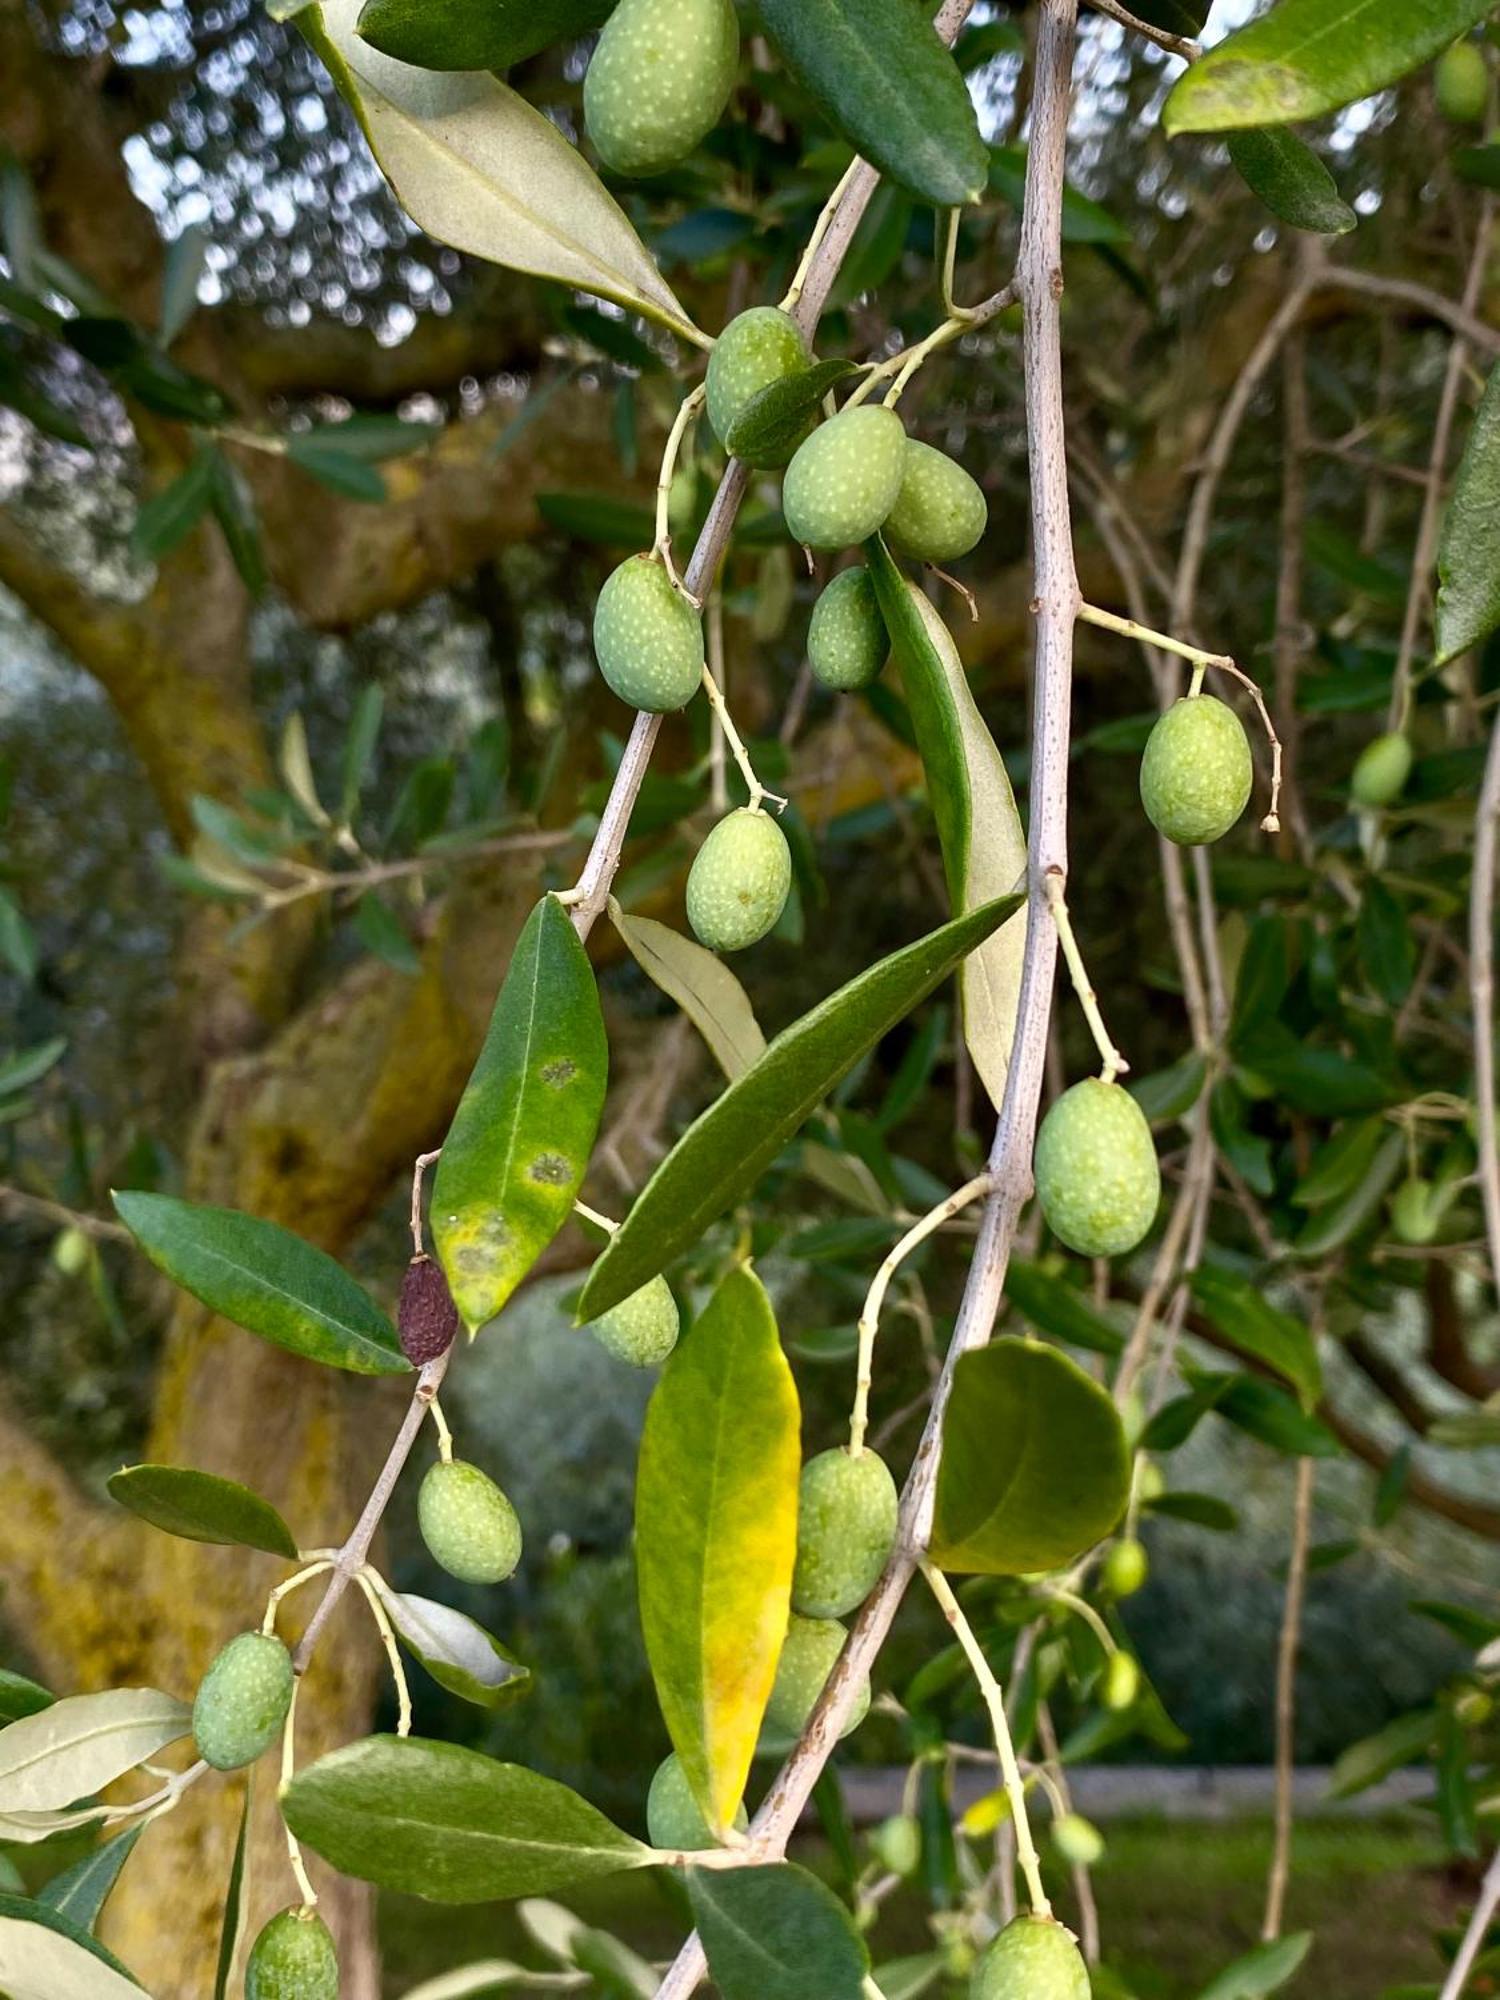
724	1152
777	1933
979	827
716	1535
519	1144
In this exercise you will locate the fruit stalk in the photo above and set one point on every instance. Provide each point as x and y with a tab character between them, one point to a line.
1114	1064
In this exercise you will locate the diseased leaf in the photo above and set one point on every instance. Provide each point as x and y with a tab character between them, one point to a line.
1035	1467
1291	180
459	1654
716	1535
43	1956
1306	57
75	1747
480	169
436	1820
979	828
1248	1321
1264	1970
702	985
201	1507
727	1148
266	1280
775	417
879	71
519	1144
1468	601
79	1893
475	34
776	1933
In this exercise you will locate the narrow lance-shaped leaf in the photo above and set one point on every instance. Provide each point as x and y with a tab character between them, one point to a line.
19	1696
459	1654
1468	603
979	827
1306	57
1035	1467
1264	1970
79	1893
234	1901
266	1280
44	1956
716	1536
201	1507
777	1933
519	1144
702	985
1249	1322
479	168
435	1820
725	1151
75	1747
879	71
1291	180
475	34
776	416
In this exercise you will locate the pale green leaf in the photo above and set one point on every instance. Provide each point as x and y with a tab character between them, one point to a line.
716	1535
459	1654
75	1747
702	985
1468	603
1264	1970
44	1957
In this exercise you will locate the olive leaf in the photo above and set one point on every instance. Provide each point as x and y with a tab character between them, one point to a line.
1306	57
1468	602
1035	1468
44	1955
474	34
234	1900
773	420
1291	180
1252	1325
436	1820
716	1535
1262	1971
702	985
201	1507
518	1147
979	827
19	1696
777	1933
459	1654
75	1747
79	1892
726	1149
480	169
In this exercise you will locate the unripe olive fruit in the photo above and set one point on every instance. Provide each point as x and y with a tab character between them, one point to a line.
1381	772
1077	1839
293	1959
843	481
1415	1215
647	638
1126	1568
1121	1682
242	1701
846	637
1196	774
72	1252
897	1843
807	1659
641	1329
469	1526
674	1819
1474	1707
1461	80
940	512
846	1529
737	886
1150	1480
658	81
1096	1170
756	349
1033	1958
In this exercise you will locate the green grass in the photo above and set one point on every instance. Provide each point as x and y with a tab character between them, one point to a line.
1177	1903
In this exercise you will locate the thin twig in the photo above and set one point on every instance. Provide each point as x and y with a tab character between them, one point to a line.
1286	1703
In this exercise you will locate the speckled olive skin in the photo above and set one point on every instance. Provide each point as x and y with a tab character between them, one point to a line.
469	1526
843	481
648	639
738	883
674	1818
940	512
293	1959
846	1528
1196	774
1381	771
1097	1176
846	637
242	1701
807	1659
658	81
642	1329
1033	1958
754	350
1461	80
